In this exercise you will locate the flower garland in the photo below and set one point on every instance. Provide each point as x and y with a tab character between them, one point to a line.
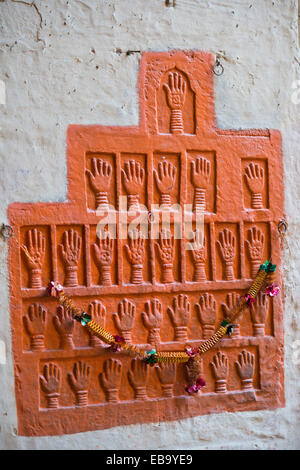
191	356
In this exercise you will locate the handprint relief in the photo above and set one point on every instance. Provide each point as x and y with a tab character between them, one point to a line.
245	368
254	175
165	177
97	311
180	316
35	323
255	244
200	175
100	180
50	384
34	253
133	176
152	319
220	368
226	245
259	312
232	300
124	319
165	248
110	379
79	381
103	252
176	93
137	376
198	251
64	324
207	312
136	252
166	373
70	251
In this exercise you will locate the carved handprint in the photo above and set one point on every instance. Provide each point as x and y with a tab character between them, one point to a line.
110	379
176	92
136	251
64	323
138	377
103	252
165	178
50	383
232	300
35	322
255	244
124	319
201	170
207	312
35	253
133	179
198	250
100	179
226	244
97	311
167	375
259	313
152	319
220	369
180	316
70	251
165	248
255	180
245	368
79	380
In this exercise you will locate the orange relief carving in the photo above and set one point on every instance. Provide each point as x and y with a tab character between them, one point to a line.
131	248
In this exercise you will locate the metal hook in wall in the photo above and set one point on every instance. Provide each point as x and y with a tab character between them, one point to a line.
6	231
218	68
282	229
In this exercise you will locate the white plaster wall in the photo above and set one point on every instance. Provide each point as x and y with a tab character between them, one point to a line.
65	62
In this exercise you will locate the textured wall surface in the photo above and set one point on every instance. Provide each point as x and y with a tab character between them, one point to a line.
70	62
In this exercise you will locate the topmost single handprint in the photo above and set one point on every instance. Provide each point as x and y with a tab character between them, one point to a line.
176	93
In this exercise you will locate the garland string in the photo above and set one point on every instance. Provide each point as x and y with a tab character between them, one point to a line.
189	356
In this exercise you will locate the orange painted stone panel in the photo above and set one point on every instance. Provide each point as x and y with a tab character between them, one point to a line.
152	291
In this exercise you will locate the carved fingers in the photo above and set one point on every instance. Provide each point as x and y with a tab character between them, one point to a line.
124	319
133	176
181	311
220	366
100	175
245	365
165	177
201	170
207	309
35	248
176	90
111	375
152	317
51	378
35	320
70	249
136	247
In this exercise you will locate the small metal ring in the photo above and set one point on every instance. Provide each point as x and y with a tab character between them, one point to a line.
151	217
7	231
218	68
282	226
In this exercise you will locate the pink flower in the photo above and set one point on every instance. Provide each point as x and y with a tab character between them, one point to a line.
196	387
272	290
249	299
192	352
54	288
